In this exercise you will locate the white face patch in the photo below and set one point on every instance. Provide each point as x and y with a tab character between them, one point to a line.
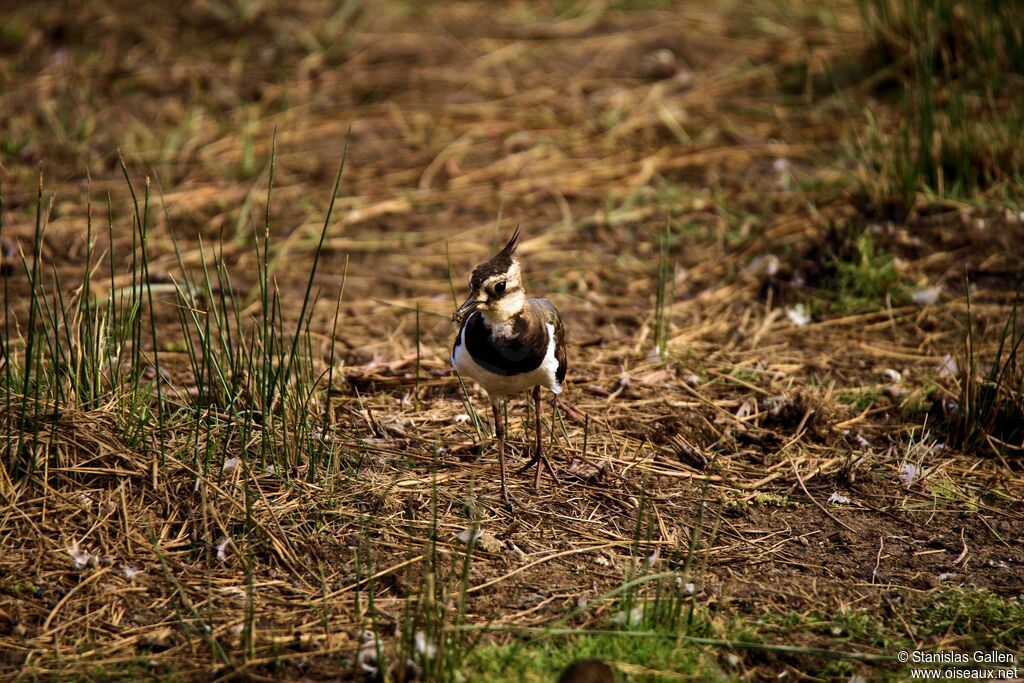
511	278
503	306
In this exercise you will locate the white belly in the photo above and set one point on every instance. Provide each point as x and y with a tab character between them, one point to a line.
503	385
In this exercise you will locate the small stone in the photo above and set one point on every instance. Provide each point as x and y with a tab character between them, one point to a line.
222	549
909	473
949	367
798	315
927	297
892	376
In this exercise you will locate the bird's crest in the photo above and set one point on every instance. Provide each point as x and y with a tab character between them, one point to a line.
499	264
513	242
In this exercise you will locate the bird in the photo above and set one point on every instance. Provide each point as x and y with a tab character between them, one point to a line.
510	343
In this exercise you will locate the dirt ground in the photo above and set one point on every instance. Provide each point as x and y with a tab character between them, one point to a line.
592	129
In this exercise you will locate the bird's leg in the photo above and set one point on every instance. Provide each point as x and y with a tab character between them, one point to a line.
540	442
557	417
538	455
535	458
499	431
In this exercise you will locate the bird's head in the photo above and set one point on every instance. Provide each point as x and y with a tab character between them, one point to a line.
495	287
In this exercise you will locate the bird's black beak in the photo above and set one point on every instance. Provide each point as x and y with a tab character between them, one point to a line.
466	308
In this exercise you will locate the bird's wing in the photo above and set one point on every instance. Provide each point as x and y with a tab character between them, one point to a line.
551	316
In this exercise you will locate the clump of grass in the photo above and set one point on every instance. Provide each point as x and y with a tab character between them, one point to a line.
990	411
431	638
859	398
75	352
433	641
78	352
866	277
974	618
980	40
960	66
663	297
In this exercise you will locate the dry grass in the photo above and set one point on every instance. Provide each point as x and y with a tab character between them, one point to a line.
571	121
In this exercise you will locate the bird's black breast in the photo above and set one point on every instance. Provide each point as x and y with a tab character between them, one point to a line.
522	352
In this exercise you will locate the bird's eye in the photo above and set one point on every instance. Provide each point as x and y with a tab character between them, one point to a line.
499	288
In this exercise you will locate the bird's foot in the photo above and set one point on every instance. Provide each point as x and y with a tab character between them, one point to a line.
550	469
531	462
506	500
537	460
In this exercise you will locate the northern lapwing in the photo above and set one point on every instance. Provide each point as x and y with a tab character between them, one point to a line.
509	343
